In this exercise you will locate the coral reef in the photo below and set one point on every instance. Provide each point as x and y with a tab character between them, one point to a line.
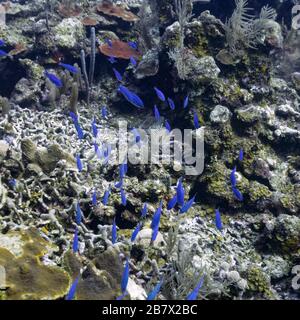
68	213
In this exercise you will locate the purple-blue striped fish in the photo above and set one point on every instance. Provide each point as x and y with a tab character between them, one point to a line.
94	198
133	61
79	163
180	192
156	216
171	104
106	197
218	221
154	233
72	291
125	277
3	53
94	128
241	155
168	126
187	205
196	121
114	232
123	197
156	113
144	210
233	178
135	232
75	241
54	79
112	60
194	294
69	67
172	202
119	184
152	295
133	45
238	195
104	112
131	97
160	94
186	102
78	216
109	42
79	131
118	75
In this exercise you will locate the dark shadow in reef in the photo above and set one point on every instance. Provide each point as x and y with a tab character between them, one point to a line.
10	73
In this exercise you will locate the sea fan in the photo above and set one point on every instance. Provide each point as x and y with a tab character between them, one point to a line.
242	29
238	27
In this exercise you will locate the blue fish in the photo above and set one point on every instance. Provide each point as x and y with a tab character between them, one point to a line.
94	198
109	42
119	184
106	197
94	128
156	217
160	94
186	207
75	241
172	202
112	60
154	233
152	295
96	147
122	170
12	183
171	104
122	296
118	75
131	97
180	192
123	197
156	113
219	224
233	178
133	45
125	277
133	61
78	216
114	232
135	232
72	291
137	135
194	294
144	210
196	121
125	167
237	194
107	152
54	79
74	116
186	102
69	67
98	151
241	155
2	43
79	163
79	131
168	126
104	112
3	53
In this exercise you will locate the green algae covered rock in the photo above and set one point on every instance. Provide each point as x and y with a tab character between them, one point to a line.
101	277
26	276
